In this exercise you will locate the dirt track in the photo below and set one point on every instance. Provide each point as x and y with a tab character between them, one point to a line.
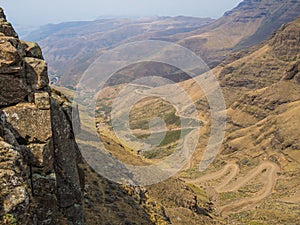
266	172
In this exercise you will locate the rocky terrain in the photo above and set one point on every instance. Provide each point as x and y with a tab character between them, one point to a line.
41	178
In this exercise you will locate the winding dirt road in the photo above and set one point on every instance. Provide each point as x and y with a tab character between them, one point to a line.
266	172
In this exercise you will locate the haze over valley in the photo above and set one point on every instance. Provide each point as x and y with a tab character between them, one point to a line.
151	118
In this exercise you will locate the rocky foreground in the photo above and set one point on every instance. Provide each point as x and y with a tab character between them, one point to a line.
41	182
43	177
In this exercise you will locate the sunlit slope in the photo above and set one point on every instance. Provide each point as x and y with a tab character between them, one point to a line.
246	25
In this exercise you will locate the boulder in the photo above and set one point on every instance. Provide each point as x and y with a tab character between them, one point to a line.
32	49
29	124
67	159
36	73
39	156
14	90
14	196
10	58
13	83
6	28
42	100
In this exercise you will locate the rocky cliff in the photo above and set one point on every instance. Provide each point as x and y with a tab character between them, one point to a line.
43	177
41	182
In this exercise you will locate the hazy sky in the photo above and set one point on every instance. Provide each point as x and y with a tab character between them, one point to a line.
37	12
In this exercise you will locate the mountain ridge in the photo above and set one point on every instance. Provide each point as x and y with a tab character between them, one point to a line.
80	44
213	40
244	26
256	172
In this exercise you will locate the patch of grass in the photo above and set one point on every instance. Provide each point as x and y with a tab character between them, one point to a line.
256	223
142	113
230	196
171	136
251	188
167	146
103	108
174	136
171	118
249	162
139	124
158	153
142	136
9	219
201	194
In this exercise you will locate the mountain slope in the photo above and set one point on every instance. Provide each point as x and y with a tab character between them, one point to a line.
248	24
262	92
255	178
71	47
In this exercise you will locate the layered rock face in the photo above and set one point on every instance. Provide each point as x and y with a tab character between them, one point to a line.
41	181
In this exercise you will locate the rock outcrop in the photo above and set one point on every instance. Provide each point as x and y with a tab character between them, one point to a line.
41	182
286	41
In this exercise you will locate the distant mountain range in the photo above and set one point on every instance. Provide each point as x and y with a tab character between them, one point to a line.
251	22
24	30
70	47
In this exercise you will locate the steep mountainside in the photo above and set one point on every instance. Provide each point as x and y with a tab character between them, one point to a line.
255	177
43	177
71	47
253	180
251	22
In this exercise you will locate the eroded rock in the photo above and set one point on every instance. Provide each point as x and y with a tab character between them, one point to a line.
40	177
32	49
6	28
42	100
67	158
30	124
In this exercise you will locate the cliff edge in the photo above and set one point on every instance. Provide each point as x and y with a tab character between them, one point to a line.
41	182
